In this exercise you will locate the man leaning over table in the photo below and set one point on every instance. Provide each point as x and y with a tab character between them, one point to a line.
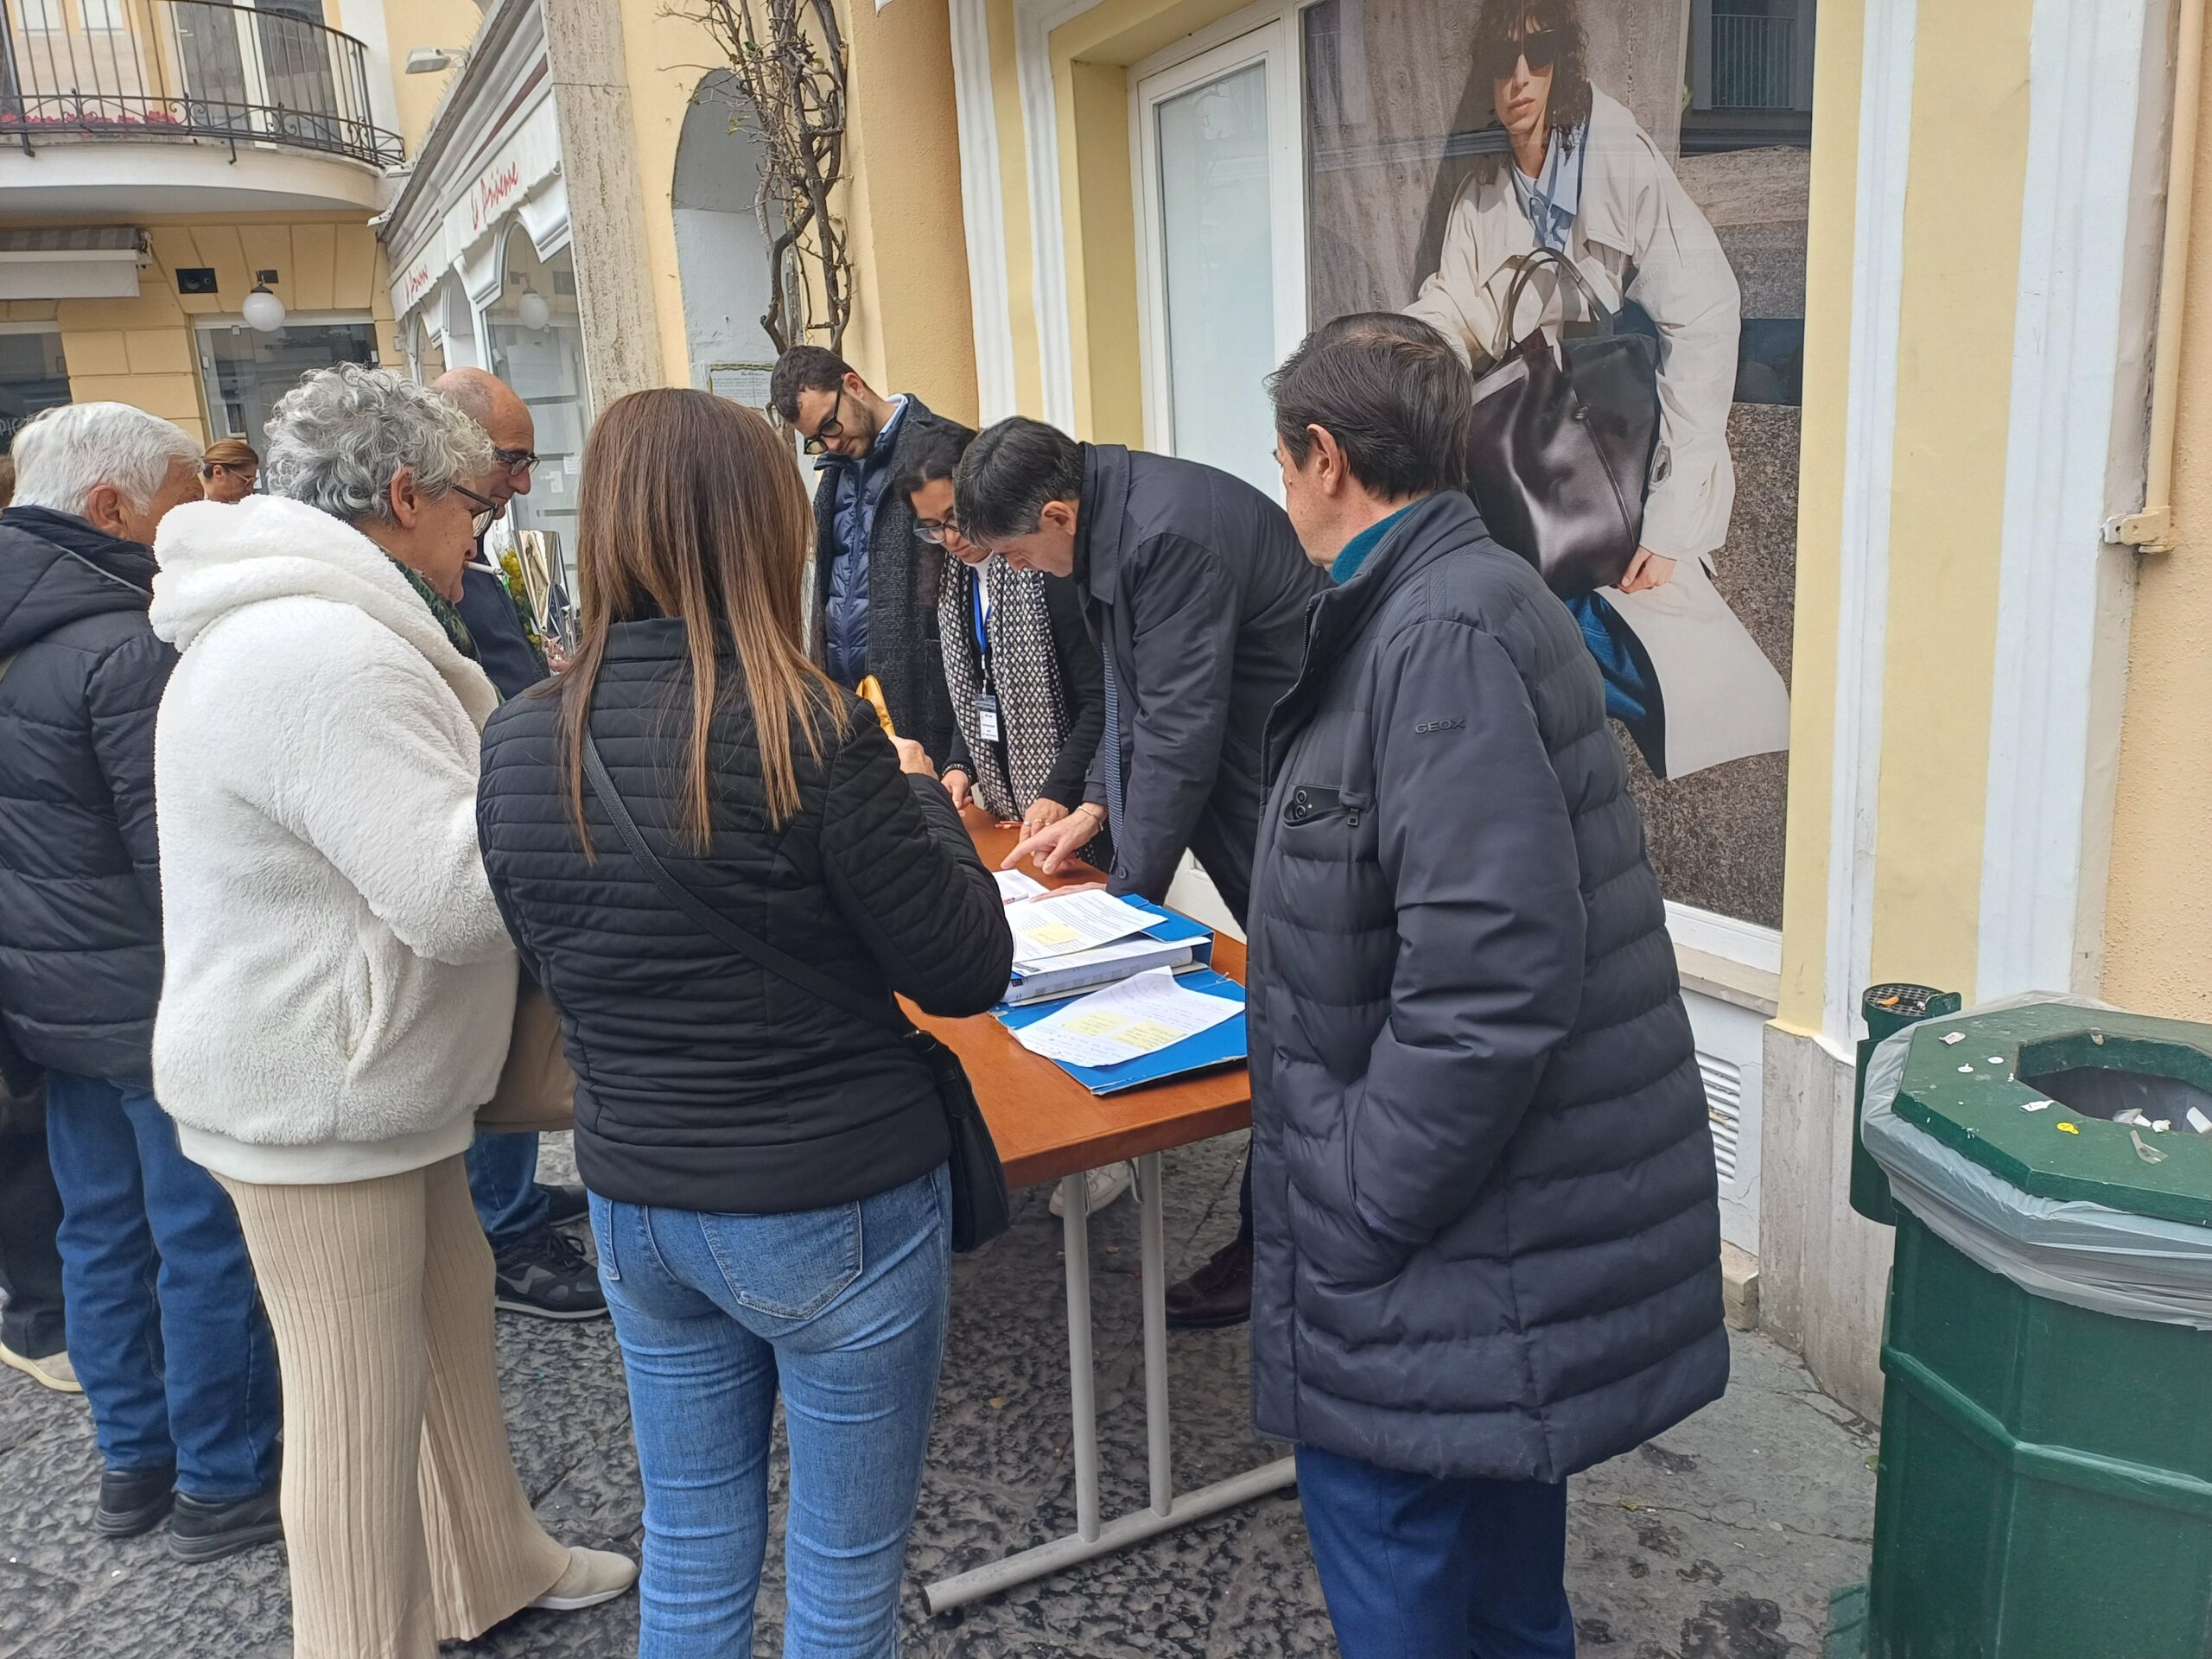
1487	1243
1190	581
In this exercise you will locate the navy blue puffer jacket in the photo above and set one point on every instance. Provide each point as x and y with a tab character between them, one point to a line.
1487	1231
80	883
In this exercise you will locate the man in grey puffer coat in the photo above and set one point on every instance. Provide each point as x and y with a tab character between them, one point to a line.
1488	1237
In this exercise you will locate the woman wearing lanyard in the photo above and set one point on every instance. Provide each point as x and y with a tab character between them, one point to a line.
1024	675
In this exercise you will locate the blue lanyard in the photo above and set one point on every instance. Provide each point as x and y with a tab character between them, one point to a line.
975	608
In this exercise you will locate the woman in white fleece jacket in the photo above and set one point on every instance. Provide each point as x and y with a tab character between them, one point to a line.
338	997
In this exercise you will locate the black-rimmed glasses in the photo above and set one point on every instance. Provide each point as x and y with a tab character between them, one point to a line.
832	427
488	512
934	530
516	461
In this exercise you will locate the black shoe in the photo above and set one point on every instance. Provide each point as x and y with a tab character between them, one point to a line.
1218	1293
548	1276
133	1501
208	1532
564	1203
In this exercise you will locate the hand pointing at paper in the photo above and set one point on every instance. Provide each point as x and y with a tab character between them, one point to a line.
1056	845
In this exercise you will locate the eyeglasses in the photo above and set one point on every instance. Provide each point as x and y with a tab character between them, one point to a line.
834	427
515	460
487	513
1540	47
935	530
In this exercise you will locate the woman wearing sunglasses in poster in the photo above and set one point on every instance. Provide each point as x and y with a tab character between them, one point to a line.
1585	180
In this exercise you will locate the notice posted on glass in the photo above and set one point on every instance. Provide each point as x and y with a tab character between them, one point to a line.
1139	1016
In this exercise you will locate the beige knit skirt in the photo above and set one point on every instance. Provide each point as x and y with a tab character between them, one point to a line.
404	1520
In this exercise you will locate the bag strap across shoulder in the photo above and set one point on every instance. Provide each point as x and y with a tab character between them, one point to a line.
714	922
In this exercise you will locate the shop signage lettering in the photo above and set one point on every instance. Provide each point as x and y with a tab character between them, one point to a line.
493	191
411	289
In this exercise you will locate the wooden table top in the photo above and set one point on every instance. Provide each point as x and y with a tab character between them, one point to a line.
1045	1123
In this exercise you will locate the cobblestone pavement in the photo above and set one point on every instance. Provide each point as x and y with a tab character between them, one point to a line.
1720	1540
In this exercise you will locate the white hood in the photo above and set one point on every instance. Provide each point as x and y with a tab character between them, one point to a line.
218	559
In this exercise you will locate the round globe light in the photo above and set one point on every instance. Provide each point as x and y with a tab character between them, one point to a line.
264	310
534	312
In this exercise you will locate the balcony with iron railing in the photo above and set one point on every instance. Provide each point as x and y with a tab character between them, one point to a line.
187	71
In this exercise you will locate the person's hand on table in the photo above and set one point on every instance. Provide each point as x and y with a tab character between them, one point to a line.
912	757
956	785
1041	814
1056	845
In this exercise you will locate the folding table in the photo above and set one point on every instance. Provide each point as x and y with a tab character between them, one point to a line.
1050	1128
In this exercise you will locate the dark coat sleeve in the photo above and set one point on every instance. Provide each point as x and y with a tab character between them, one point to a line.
1491	928
901	868
1184	624
1083	680
123	695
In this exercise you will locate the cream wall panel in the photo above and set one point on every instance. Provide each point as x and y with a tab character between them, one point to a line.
269	247
355	268
97	352
174	396
159	350
220	247
311	273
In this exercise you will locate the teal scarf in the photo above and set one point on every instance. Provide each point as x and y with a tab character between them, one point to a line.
1356	549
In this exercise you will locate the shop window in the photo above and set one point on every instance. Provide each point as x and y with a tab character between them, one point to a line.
246	371
536	341
33	376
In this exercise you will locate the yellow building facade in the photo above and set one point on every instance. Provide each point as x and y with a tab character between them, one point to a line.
160	159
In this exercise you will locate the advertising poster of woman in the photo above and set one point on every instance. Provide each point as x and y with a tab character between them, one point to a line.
1565	126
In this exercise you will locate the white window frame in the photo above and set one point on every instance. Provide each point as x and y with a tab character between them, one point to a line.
1265	33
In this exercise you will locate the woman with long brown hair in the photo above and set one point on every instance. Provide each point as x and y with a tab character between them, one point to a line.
766	1170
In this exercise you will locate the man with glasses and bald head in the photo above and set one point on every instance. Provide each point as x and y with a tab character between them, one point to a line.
542	1272
875	586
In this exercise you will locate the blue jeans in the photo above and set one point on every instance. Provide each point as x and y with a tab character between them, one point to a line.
166	1329
1416	1567
503	1180
844	1310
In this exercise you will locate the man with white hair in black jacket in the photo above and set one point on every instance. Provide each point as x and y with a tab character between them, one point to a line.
165	1325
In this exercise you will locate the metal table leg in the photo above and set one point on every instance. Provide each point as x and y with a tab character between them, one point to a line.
1166	1512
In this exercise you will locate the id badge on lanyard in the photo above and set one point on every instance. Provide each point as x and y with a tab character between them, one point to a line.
987	700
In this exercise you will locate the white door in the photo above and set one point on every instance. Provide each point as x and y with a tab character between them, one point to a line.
1222	238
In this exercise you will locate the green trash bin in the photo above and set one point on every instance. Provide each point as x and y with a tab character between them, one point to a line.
2045	1485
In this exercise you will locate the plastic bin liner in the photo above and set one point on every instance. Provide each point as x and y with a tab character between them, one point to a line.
2088	1255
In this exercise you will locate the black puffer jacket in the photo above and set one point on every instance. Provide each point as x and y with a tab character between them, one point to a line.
1488	1238
704	1083
80	883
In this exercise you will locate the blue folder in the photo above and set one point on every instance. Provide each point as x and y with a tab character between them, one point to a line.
1220	1045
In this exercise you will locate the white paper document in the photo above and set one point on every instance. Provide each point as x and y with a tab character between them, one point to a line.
1017	884
1137	1017
1058	927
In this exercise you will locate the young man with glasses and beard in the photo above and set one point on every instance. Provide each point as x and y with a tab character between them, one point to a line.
876	587
542	1272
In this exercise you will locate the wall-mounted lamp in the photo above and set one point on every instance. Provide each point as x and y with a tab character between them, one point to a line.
436	59
533	311
264	311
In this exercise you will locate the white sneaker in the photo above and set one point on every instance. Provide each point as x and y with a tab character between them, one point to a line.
593	1576
53	1371
1103	1186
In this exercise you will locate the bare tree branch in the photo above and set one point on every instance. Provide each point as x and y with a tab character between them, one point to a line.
787	87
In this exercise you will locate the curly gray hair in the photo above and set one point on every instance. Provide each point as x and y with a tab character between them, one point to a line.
338	439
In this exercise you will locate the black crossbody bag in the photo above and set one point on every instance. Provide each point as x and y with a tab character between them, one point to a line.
981	1210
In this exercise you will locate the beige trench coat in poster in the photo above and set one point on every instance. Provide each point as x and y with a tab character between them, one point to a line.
1722	698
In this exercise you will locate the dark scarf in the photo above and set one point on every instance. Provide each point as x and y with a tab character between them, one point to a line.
449	617
1025	673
